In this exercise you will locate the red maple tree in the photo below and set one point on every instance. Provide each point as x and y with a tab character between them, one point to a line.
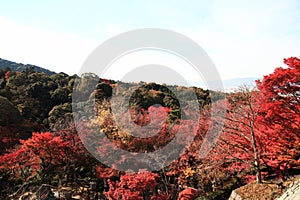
281	116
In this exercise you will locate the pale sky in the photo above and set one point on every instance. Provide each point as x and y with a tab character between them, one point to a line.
243	38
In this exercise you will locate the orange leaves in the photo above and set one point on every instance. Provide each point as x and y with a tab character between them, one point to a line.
41	152
105	172
7	75
46	146
187	194
134	186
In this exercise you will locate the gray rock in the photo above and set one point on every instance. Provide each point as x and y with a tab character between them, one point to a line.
235	196
292	193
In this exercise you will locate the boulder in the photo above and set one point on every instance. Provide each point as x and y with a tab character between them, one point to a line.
292	193
235	196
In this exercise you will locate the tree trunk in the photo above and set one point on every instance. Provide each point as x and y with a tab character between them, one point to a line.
256	158
258	172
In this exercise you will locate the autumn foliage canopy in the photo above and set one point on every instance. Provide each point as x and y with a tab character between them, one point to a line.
260	138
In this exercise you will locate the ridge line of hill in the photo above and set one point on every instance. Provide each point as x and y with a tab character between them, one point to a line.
19	67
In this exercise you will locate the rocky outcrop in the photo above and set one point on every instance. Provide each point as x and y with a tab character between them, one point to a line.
235	196
292	193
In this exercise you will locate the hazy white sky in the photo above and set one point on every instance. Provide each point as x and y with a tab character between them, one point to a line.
243	38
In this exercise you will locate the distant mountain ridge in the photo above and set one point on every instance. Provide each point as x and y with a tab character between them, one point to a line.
19	67
237	82
229	84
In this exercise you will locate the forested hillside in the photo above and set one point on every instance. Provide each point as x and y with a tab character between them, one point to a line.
19	67
40	143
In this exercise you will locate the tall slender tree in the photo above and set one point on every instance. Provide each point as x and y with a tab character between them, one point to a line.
240	141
